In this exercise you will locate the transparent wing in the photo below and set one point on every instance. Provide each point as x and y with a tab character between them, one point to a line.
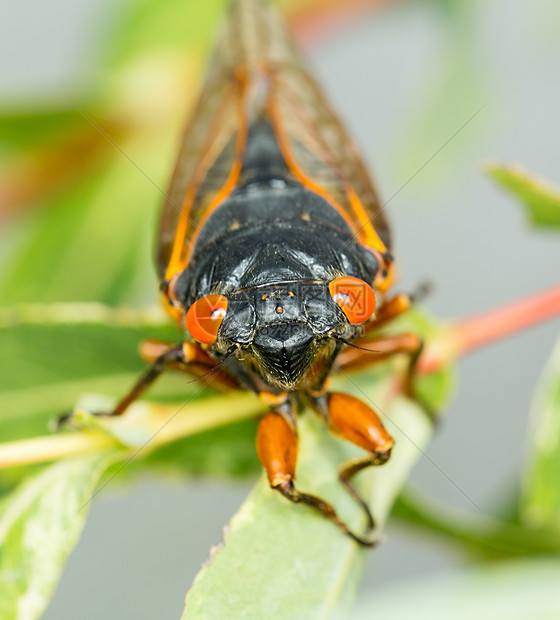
255	71
317	146
206	160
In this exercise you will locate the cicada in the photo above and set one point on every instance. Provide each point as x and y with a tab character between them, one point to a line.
274	254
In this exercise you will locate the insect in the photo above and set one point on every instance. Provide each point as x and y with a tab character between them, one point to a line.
274	254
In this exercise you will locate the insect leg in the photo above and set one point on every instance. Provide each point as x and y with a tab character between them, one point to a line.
384	348
350	418
381	349
277	451
387	346
151	349
196	362
397	305
171	356
391	309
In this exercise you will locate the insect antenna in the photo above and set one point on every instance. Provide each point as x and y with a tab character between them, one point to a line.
350	344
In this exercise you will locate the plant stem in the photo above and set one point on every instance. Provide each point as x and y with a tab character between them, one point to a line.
311	21
470	334
486	535
146	426
51	447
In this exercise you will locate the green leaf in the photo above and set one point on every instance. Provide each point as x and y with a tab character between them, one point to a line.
58	352
228	452
540	500
149	426
156	26
40	524
90	244
283	560
33	127
540	198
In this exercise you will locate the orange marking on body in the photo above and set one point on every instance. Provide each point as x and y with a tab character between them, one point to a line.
218	199
383	282
298	173
177	261
241	141
367	233
177	314
175	264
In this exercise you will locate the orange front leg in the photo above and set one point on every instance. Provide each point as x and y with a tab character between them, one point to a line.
277	451
350	418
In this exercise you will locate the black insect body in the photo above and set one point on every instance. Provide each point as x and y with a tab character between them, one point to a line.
271	249
274	253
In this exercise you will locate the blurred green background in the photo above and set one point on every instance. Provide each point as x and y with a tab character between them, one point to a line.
431	89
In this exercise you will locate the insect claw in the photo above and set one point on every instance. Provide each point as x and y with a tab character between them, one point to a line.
288	490
69	418
58	423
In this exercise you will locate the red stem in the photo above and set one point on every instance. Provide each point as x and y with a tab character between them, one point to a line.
315	20
470	334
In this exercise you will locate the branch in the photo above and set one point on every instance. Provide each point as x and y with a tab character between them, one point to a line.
487	535
145	427
468	335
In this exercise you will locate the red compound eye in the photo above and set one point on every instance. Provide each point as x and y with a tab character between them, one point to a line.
205	317
354	297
